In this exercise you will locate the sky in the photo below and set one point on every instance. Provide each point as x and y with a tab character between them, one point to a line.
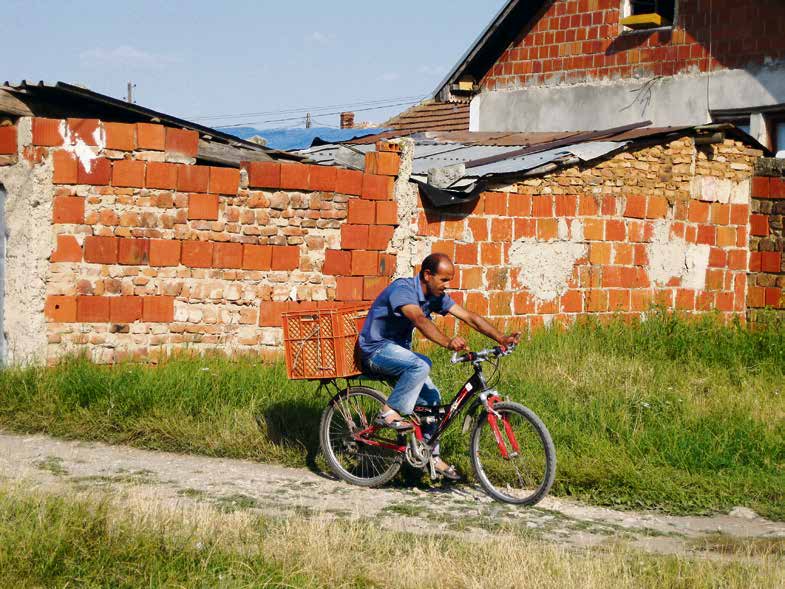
253	60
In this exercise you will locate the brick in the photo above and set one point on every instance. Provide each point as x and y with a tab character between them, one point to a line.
594	229
501	230
361	212
100	249
337	263
756	297
159	309
263	174
46	132
86	130
286	257
571	302
120	136
67	250
466	253
164	252
182	142
739	214
349	288
161	175
720	214
547	229
698	212
494	203
373	286
542	206
193	178
771	262
454	228
615	230
726	236
587	206
379	237
228	255
386	212
270	313
133	252
377	187
348	182
640	300
323	178
125	309
608	205
490	254
92	309
68	209
641	257
295	176
479	228
759	225
760	187
500	303
741	237
60	309
471	278
685	299
756	259
382	163
774	297
714	279
566	205
224	180
387	264
128	173
354	236
150	136
524	303
429	224
657	207
65	167
635	207
707	234
477	303
99	174
257	257
203	206
519	205
444	246
619	300
600	253
777	188
364	263
8	141
737	259
197	254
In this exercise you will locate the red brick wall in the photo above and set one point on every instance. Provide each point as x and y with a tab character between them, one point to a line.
579	40
767	244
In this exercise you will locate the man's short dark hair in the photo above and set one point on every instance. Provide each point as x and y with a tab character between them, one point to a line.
432	262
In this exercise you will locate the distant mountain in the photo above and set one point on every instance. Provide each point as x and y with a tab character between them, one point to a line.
289	139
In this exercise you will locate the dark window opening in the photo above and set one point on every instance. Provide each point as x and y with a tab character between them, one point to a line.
665	8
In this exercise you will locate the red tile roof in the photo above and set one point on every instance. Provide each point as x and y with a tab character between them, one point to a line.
432	116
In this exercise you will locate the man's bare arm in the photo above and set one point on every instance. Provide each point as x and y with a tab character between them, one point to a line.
482	325
414	314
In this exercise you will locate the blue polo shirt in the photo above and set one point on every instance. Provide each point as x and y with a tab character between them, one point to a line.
386	323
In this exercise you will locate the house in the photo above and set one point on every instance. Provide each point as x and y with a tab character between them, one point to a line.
561	65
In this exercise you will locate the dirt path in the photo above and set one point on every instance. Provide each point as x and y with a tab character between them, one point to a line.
59	465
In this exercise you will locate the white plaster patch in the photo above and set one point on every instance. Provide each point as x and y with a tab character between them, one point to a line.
545	268
84	153
712	189
672	257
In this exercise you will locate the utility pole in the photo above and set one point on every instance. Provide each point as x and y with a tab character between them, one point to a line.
307	120
131	87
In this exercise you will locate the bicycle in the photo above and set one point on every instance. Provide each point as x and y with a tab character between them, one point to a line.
511	451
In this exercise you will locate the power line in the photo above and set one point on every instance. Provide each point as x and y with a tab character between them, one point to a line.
313	109
248	123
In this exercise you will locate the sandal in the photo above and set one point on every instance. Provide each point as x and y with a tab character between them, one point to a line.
449	473
399	424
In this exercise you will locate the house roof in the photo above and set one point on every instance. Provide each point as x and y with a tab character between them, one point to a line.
431	116
66	100
491	43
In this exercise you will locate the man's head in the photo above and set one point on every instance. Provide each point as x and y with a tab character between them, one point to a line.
436	272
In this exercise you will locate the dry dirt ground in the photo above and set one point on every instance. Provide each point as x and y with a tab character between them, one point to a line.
56	465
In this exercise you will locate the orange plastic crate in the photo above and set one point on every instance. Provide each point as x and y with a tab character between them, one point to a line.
322	343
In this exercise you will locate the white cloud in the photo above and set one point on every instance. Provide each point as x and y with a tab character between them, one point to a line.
125	55
389	77
318	38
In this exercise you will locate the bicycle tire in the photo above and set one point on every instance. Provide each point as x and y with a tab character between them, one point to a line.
542	440
330	416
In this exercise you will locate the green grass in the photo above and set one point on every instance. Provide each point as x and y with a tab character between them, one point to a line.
684	417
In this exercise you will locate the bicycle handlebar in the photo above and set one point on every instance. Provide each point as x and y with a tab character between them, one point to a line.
482	355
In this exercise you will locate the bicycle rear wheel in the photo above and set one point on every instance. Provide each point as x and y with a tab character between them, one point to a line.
525	475
350	460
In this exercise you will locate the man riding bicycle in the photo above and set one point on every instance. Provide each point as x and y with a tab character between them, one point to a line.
386	340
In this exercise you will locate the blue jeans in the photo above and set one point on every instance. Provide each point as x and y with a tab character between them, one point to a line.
413	385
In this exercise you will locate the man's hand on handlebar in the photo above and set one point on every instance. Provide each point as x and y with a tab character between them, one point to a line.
507	340
457	344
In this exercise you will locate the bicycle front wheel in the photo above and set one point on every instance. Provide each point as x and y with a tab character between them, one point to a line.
513	455
351	460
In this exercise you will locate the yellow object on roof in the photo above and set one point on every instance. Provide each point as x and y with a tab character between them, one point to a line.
644	21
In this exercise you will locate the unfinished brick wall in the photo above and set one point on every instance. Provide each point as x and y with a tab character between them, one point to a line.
579	40
665	225
767	239
152	252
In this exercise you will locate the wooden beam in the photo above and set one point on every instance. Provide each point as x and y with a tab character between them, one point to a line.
229	155
10	104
